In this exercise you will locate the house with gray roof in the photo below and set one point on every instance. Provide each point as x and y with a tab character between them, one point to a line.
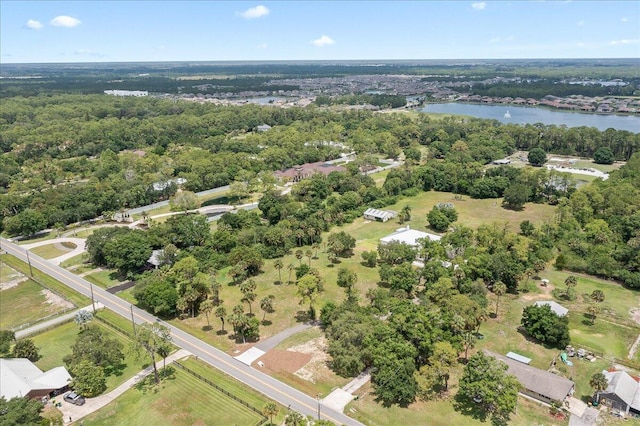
20	377
623	392
556	308
536	383
409	236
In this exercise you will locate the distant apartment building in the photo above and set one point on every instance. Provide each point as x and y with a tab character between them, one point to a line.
136	93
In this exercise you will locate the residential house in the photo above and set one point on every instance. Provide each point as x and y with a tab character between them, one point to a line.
263	127
538	384
623	392
20	377
409	236
304	171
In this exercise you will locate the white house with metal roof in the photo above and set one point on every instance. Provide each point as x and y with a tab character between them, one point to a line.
20	377
409	236
557	308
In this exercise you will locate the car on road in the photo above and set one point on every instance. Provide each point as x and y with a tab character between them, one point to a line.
74	398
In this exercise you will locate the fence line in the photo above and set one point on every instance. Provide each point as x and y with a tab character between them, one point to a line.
627	363
43	319
51	327
224	391
115	327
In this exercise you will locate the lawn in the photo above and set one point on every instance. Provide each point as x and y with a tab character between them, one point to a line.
437	413
50	251
23	304
104	279
180	400
55	344
46	280
78	262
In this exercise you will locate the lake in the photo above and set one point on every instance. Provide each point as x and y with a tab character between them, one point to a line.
531	115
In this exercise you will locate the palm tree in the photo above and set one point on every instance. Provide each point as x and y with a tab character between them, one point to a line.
570	282
221	312
597	296
291	267
499	289
309	254
316	247
267	304
599	383
270	410
593	310
299	255
405	214
295	419
247	288
279	265
206	307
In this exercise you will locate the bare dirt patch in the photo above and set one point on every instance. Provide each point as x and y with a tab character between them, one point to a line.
10	277
55	300
635	315
288	361
317	365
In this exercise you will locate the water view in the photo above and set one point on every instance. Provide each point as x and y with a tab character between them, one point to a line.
530	115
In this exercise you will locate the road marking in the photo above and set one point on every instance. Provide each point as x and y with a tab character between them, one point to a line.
35	260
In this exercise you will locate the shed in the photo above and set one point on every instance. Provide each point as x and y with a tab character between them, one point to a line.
379	215
263	127
557	308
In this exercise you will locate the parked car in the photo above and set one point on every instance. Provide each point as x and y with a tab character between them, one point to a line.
74	398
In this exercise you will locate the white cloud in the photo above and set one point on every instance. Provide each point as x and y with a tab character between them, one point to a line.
624	19
323	41
479	6
34	25
255	12
65	21
262	46
625	41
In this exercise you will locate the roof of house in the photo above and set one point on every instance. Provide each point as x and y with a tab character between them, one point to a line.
557	308
408	236
624	387
535	380
19	376
380	214
519	358
155	257
263	127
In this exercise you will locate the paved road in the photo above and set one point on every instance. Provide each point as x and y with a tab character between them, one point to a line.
280	392
159	204
53	321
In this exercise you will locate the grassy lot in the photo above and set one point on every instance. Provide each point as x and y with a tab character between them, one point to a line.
77	261
41	277
180	400
104	279
440	412
23	304
588	164
50	251
55	344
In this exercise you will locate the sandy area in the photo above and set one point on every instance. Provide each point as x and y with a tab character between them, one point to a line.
55	300
11	279
283	361
317	350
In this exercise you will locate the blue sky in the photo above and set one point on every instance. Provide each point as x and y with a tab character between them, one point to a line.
114	31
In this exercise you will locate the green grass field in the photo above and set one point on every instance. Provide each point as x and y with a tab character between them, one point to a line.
104	279
23	304
69	294
49	251
181	400
55	344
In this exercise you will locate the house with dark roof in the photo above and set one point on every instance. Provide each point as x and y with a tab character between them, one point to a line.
623	392
20	377
536	383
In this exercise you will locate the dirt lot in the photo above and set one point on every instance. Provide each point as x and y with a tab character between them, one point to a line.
276	361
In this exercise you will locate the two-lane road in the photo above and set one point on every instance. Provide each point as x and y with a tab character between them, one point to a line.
274	389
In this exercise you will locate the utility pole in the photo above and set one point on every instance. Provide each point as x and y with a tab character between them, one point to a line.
93	303
132	321
29	262
318	398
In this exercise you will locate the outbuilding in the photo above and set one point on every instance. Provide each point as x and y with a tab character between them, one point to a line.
557	308
379	215
19	377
